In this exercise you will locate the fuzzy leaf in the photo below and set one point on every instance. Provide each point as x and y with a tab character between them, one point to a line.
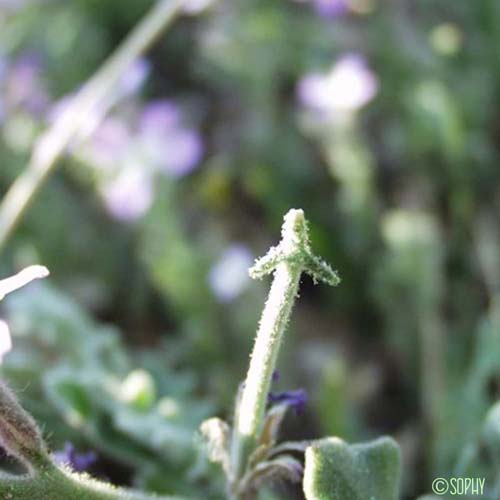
267	264
335	470
19	434
272	424
320	271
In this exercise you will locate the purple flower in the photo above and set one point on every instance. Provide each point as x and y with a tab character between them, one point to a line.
79	462
134	77
129	196
229	276
159	116
108	145
172	147
24	86
295	399
330	8
182	151
275	376
348	86
12	4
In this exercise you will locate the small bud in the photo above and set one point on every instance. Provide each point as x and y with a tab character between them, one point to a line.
19	434
295	249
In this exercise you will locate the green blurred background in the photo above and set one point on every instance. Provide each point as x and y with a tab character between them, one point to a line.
380	118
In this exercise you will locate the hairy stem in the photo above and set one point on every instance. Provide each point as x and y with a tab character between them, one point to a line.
287	261
263	361
52	483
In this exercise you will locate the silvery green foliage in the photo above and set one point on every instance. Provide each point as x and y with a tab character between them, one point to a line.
142	418
21	438
43	479
335	470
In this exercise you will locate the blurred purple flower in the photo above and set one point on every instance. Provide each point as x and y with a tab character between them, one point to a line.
229	276
173	148
79	462
295	399
129	195
5	339
182	151
330	8
12	4
24	86
348	86
275	376
159	116
134	77
108	145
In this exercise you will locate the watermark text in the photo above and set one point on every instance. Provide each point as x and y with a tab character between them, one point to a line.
458	486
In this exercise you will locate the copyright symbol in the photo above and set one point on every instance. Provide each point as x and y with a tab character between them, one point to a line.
440	486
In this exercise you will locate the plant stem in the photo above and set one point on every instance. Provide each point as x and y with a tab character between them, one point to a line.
287	261
22	439
70	125
263	361
52	483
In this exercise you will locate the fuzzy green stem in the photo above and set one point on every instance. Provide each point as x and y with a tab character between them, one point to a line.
52	483
263	361
287	261
44	480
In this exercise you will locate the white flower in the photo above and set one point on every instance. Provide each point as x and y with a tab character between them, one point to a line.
5	340
348	86
130	194
22	278
9	285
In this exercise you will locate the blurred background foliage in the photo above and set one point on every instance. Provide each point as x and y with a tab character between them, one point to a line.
378	117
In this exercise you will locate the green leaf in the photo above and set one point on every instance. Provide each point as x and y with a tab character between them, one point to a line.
335	470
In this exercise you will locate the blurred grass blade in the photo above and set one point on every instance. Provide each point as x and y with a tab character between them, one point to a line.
69	125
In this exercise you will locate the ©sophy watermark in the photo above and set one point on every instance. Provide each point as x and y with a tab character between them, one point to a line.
458	486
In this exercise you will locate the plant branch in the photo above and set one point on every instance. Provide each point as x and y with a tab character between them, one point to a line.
287	261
